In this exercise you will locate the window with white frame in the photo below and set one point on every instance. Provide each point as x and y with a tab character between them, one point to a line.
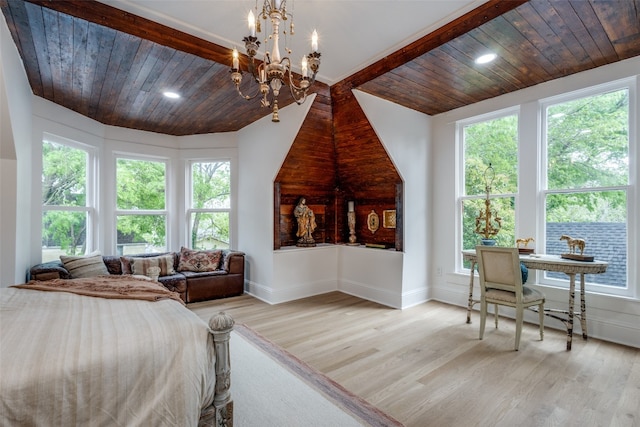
584	186
586	179
67	198
489	142
209	204
141	213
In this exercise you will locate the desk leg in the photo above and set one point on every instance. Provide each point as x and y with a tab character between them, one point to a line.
583	309
470	302
572	296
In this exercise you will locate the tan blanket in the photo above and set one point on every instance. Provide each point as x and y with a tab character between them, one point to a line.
73	360
112	287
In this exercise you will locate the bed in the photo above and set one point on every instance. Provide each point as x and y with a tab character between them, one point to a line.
108	355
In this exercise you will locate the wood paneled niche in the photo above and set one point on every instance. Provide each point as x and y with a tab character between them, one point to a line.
332	165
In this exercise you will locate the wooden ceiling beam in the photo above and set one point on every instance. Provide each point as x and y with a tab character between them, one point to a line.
469	21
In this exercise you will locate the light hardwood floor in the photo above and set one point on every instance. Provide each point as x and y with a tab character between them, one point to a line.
426	367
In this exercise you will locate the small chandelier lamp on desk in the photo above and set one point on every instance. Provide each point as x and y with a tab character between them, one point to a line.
488	223
274	71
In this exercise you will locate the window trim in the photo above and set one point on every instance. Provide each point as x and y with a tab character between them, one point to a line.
160	212
632	270
189	197
460	172
91	196
533	112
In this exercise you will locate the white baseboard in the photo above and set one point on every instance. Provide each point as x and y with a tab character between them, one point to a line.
290	293
370	293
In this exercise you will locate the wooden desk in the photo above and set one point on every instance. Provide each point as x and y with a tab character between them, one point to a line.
551	263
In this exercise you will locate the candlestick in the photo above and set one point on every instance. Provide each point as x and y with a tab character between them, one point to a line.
236	64
252	23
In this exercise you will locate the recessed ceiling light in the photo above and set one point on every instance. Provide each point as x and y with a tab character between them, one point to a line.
171	95
486	58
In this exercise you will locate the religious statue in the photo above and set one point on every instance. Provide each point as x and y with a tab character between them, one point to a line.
306	223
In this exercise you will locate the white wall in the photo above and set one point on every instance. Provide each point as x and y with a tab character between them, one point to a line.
405	134
396	279
611	318
15	176
262	148
373	274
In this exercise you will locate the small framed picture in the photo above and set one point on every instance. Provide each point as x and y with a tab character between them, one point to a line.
389	219
373	222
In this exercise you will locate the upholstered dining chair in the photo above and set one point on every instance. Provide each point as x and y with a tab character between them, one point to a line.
501	284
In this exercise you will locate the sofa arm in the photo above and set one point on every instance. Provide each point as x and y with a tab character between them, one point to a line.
48	271
233	262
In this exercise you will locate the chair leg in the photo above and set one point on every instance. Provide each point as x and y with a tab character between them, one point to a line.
495	314
519	317
483	317
541	321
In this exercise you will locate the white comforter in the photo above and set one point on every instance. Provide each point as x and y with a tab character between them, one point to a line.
70	360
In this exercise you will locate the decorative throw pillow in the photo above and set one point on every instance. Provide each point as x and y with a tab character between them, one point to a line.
85	266
125	264
140	265
192	260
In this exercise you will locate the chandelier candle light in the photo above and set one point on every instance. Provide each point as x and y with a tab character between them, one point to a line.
274	71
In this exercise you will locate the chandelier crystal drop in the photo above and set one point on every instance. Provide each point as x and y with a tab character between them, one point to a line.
274	71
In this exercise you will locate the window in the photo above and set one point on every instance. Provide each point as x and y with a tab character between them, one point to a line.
489	142
209	204
141	215
587	179
581	185
66	199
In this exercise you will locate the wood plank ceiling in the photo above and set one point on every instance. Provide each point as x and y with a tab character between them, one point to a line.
113	66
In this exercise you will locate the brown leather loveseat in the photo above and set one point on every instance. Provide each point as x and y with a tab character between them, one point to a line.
225	281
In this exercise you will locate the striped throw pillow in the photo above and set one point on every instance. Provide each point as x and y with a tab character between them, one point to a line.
140	265
85	266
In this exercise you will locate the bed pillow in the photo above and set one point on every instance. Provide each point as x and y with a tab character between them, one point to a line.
140	265
199	261
85	266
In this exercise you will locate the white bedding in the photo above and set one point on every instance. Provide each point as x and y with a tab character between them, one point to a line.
70	360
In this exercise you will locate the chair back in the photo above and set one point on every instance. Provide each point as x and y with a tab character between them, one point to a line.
499	268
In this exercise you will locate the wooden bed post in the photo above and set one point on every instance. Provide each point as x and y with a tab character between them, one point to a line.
221	325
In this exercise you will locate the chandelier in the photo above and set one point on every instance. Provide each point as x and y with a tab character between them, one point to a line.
274	71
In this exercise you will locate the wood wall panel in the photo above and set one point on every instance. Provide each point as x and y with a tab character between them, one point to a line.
365	171
309	170
336	157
